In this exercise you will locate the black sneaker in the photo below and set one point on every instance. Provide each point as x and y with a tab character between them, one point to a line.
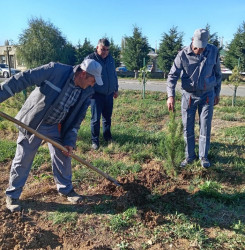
73	197
185	162
13	204
205	162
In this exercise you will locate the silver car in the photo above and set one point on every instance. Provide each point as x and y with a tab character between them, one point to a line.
4	70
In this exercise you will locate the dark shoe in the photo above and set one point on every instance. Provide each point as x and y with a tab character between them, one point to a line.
13	204
185	162
73	197
109	140
95	146
205	162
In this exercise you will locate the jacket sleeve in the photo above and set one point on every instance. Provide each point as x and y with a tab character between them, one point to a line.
174	75
116	83
21	81
218	75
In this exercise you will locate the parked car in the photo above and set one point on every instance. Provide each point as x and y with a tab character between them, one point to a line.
226	71
149	68
4	70
122	69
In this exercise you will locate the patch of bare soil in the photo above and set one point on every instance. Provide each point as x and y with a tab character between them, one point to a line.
30	229
7	135
218	124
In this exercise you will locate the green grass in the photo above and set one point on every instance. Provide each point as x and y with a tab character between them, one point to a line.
203	208
41	157
7	150
121	221
237	134
62	216
181	227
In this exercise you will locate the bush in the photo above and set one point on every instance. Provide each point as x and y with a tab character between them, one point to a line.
172	145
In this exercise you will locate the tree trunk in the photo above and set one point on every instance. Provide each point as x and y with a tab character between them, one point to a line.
136	74
234	96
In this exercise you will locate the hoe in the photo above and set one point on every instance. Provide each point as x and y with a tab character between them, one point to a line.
59	146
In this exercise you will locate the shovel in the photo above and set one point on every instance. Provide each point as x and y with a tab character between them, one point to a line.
59	146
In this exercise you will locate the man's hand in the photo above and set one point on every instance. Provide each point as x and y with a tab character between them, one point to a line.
170	103
115	94
69	149
216	100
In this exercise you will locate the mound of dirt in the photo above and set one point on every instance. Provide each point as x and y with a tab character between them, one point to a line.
30	229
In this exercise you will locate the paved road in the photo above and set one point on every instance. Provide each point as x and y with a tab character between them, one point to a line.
152	85
160	86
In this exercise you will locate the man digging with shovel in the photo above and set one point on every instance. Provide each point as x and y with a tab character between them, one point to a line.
55	109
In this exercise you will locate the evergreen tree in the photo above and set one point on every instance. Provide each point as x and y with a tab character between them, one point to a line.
115	52
213	38
69	54
83	50
41	43
171	146
136	48
169	47
236	80
235	54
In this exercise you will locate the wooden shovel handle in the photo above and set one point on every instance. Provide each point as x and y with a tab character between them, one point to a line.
59	146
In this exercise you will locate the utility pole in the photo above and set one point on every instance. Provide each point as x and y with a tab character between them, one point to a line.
144	68
8	48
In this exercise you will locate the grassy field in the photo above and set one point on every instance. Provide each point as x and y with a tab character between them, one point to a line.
192	208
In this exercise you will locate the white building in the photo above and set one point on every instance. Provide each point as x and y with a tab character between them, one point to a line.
8	56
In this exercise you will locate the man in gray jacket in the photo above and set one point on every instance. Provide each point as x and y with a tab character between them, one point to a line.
198	66
55	108
102	100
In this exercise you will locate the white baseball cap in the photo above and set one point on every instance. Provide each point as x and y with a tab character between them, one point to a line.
94	68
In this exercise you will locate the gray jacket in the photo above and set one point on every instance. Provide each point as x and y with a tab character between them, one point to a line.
51	82
109	74
198	74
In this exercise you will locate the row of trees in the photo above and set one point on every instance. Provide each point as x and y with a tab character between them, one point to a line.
42	42
235	55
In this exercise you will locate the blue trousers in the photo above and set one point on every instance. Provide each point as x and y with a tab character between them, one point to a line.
189	104
24	156
101	105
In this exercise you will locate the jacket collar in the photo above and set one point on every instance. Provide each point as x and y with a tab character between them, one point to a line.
205	52
100	58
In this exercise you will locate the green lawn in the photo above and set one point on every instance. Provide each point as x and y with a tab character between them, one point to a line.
193	209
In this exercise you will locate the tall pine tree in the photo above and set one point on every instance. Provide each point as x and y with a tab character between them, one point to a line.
213	38
235	54
83	50
135	49
170	45
115	52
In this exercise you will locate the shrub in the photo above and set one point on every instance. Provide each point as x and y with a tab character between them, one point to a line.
172	145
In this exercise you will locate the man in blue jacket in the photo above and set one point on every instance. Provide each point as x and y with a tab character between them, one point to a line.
102	100
55	108
198	66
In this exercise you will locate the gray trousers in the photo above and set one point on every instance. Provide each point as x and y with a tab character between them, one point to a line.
25	153
189	104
